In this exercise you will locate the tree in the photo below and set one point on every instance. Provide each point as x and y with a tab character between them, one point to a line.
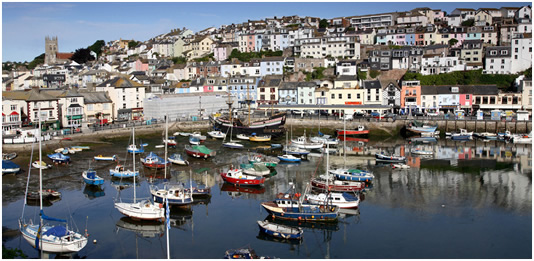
36	61
453	41
179	60
82	55
469	22
323	23
97	47
362	75
374	73
132	44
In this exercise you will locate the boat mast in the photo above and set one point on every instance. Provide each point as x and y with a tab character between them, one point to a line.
230	102
133	155
40	186
344	142
166	142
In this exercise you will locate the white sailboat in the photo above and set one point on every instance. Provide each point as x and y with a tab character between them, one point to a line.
50	238
143	209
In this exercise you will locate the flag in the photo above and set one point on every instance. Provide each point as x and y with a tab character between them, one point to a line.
168	213
37	237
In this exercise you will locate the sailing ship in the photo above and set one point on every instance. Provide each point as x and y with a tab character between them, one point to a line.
119	171
273	125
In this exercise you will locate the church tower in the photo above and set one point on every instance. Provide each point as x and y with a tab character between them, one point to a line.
51	49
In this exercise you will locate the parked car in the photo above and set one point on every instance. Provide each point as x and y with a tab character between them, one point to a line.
324	112
417	113
359	115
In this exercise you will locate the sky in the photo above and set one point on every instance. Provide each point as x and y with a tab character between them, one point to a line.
79	24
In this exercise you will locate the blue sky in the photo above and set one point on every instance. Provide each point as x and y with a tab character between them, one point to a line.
78	25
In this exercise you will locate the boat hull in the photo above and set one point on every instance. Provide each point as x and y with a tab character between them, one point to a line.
273	126
48	244
249	182
141	210
320	184
280	231
292	213
352	132
382	157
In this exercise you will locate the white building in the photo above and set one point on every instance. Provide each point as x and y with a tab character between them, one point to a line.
435	64
521	52
498	60
127	97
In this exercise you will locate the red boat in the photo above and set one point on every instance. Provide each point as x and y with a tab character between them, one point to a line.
236	176
337	185
153	161
361	130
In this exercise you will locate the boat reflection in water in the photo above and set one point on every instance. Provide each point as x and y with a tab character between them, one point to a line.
330	226
145	228
180	216
236	191
92	191
121	184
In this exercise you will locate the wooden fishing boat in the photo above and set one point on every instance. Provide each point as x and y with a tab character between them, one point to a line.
153	161
289	206
236	176
336	185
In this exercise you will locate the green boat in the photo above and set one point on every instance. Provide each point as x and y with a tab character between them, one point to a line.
270	162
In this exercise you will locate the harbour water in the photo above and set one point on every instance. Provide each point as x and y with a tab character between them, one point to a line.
468	200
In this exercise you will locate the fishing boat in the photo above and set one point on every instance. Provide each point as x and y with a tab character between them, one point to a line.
352	175
255	169
9	167
420	151
153	161
106	158
521	139
361	130
173	195
290	206
270	162
90	177
237	177
194	140
9	156
198	135
133	148
171	141
462	135
243	137
303	143
420	128
328	182
280	231
50	238
199	151
292	150
217	134
486	136
289	158
120	172
399	166
177	158
40	165
342	200
59	158
390	158
262	138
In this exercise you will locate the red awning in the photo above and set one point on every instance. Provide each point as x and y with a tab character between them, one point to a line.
3	114
14	113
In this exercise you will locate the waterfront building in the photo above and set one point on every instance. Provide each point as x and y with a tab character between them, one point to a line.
410	96
268	89
98	108
373	92
243	87
306	92
12	111
391	95
525	88
288	93
127	96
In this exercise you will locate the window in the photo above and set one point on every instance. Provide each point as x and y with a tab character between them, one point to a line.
504	100
492	100
333	96
349	96
340	96
89	107
13	107
50	114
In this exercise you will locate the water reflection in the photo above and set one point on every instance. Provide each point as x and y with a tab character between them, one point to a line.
145	228
92	191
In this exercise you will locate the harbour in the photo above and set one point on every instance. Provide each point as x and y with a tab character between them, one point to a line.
472	195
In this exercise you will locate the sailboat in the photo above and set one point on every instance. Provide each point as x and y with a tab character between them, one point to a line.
231	144
143	209
50	238
119	171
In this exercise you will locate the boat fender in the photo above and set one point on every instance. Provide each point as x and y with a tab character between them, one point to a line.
299	218
313	217
332	209
282	214
160	205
